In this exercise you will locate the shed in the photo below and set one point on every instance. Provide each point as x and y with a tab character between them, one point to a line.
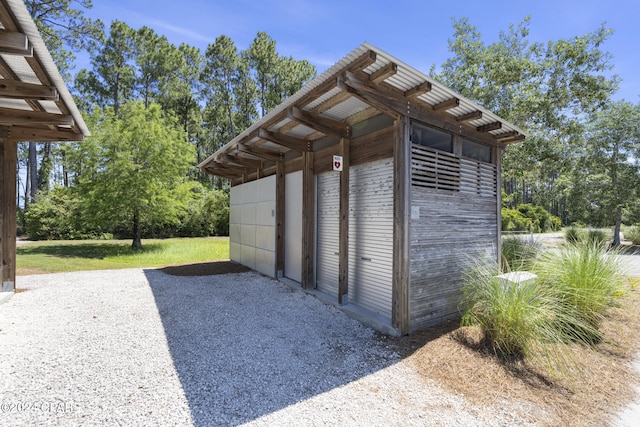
35	105
385	238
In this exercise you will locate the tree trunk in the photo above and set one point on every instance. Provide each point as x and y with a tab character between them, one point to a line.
616	228
33	171
137	234
65	169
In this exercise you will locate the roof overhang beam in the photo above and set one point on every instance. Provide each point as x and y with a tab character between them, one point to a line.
320	123
263	153
11	116
14	43
13	89
291	142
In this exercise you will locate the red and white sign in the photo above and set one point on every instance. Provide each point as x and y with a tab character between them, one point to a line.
337	163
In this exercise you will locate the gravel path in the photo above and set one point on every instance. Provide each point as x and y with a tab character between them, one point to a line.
134	347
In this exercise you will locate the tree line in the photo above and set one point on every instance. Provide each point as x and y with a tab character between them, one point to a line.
155	111
144	97
581	160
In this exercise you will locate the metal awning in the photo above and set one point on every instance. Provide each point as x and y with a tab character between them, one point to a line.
35	104
365	83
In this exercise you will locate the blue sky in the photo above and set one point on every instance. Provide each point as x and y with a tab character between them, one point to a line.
416	32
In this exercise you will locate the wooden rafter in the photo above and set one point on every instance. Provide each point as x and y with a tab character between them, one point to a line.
220	172
330	103
291	142
392	102
446	105
13	89
263	153
14	43
516	138
40	135
235	170
323	124
365	114
376	96
506	135
10	116
489	127
469	117
384	73
416	91
365	60
249	163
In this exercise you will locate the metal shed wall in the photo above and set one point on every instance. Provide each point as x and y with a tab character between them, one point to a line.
252	225
451	225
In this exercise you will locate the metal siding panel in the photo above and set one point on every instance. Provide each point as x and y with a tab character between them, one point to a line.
371	235
328	227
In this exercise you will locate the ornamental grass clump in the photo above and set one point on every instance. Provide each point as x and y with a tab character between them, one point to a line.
573	235
586	281
633	234
518	254
515	319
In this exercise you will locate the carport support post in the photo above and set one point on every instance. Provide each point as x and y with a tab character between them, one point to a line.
343	245
8	159
401	223
280	195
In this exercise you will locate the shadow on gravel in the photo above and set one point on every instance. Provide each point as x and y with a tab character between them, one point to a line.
245	346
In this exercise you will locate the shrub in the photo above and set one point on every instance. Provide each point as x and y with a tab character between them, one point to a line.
573	235
516	320
513	220
576	284
518	254
595	236
527	217
633	234
586	279
57	215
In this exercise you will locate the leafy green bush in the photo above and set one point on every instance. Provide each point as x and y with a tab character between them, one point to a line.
586	279
527	217
58	215
513	220
518	254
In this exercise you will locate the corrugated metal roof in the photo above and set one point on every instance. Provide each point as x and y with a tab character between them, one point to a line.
404	79
23	70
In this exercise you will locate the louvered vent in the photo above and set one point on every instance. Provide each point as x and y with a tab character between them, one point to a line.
434	169
439	170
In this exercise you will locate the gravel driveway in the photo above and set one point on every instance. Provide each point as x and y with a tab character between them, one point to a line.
134	347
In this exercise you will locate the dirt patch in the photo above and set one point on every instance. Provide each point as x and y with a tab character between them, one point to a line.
204	268
30	271
599	385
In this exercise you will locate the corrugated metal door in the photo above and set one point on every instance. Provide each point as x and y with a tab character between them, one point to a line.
328	225
371	235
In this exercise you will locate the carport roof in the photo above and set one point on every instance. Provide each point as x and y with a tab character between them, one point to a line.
365	83
35	104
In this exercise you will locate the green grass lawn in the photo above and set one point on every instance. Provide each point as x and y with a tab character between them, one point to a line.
76	255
